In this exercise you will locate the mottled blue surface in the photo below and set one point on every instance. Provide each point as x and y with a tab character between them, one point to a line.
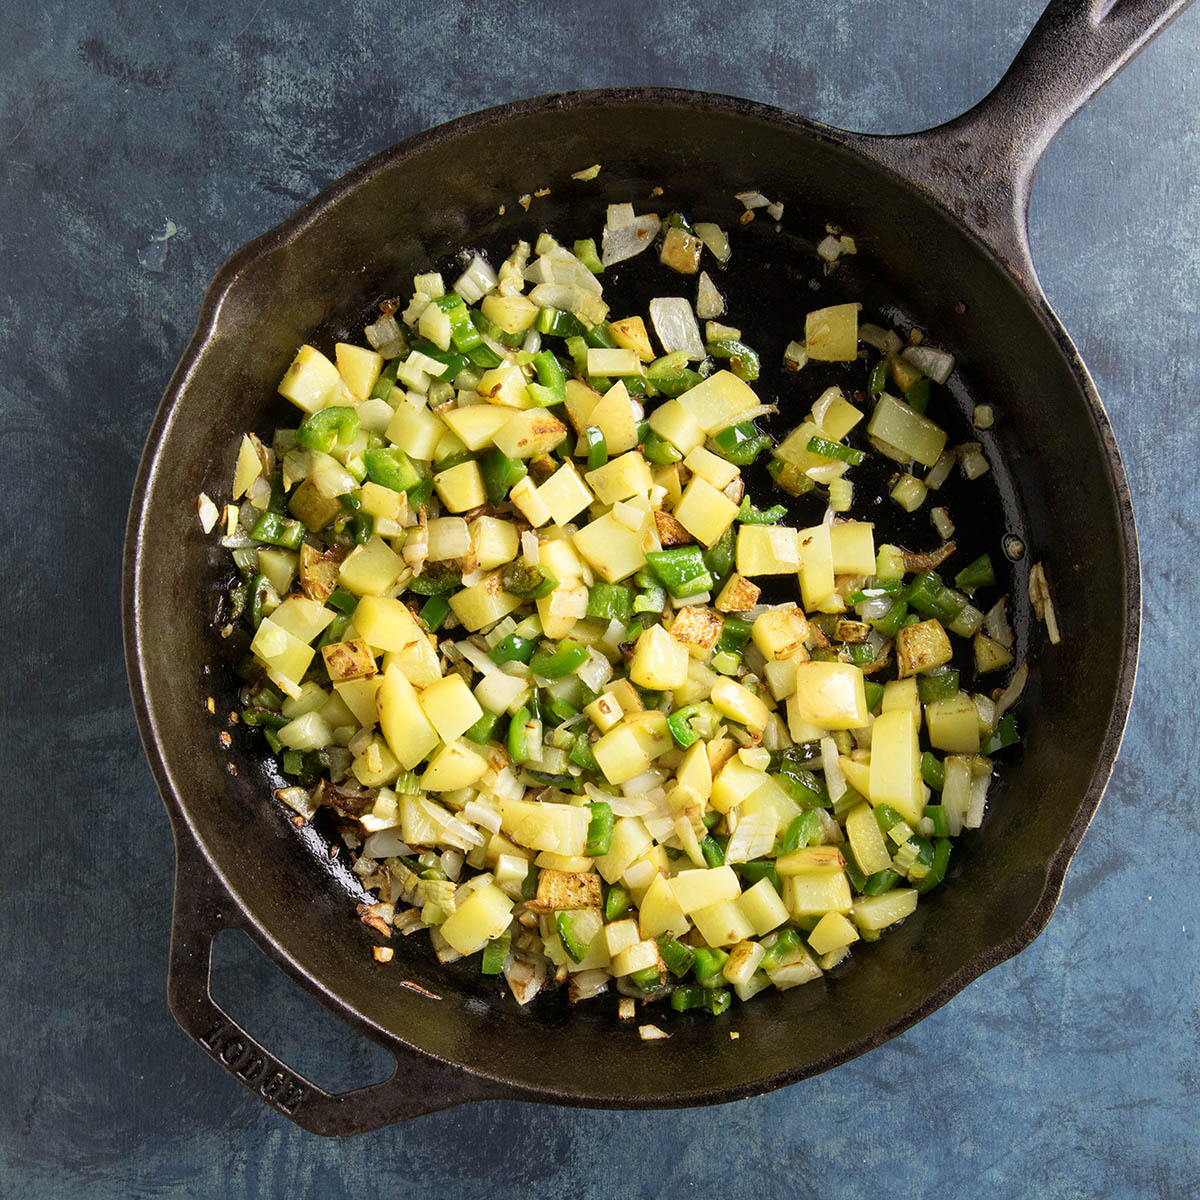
1071	1071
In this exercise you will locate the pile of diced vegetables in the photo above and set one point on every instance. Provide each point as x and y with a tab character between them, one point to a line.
501	583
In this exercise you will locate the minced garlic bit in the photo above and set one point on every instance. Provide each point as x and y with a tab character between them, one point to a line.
734	1035
1043	606
626	1008
652	1033
382	953
984	417
586	174
540	192
525	201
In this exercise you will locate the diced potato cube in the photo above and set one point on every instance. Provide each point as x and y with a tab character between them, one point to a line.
376	766
476	424
738	595
348	660
615	416
650	729
565	494
530	433
581	399
696	628
560	610
953	724
460	488
895	423
620	755
312	382
447	537
557	557
638	957
415	430
818	891
660	912
740	704
705	512
866	841
302	617
896	765
718	471
527	499
248	468
385	623
990	655
358	367
902	693
505	387
450	707
605	361
922	647
494	542
831	334
370	569
744	960
858	773
734	783
284	653
513	314
816	565
620	935
717	401
483	603
482	916
694	772
672	421
562	890
559	828
834	415
454	766
621	478
681	251
613	551
852	547
279	566
402	721
763	907
780	632
797	968
767	550
878	912
605	711
832	932
359	697
500	692
659	661
723	924
829	695
630	841
630	333
383	502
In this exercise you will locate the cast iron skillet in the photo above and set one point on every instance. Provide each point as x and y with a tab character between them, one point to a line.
940	219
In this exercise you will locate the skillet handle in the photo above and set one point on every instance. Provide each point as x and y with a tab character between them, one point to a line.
982	164
419	1085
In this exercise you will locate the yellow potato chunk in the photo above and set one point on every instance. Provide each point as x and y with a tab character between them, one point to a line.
705	512
312	381
740	704
621	478
780	632
402	721
483	603
660	662
828	695
370	569
358	367
767	550
620	754
613	550
716	401
454	766
816	565
896	765
559	828
852	547
483	915
564	494
832	932
831	334
460	488
450	707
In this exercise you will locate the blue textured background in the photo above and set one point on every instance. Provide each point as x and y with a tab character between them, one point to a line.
1071	1071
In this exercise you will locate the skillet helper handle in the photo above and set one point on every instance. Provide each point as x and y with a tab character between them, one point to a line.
419	1084
983	163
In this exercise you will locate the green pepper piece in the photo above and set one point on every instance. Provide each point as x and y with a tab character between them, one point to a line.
432	583
804	830
518	735
581	754
878	380
742	443
499	473
974	575
600	829
617	902
495	955
916	396
264	717
551	386
719	1001
648	979
671	374
278	531
880	882
584	249
513	649
557	323
708	966
327	426
658	450
933	771
529	885
922	592
742	359
391	468
610	602
835	450
756	869
334	631
559	662
681	730
681	570
677	957
937	814
690	995
713	849
526	581
595	446
937	685
1004	735
575	947
786	942
937	869
735	633
490	329
749	515
484	729
362	523
718	558
874	692
891	622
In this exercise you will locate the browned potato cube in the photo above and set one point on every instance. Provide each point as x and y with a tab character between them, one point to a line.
738	595
566	889
670	531
922	647
319	572
853	631
696	626
681	251
349	660
309	505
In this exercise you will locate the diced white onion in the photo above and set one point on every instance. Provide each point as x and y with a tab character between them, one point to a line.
1012	693
935	363
835	779
675	324
624	242
208	512
973	817
940	471
476	281
886	341
387	843
385	337
709	301
619	216
996	625
750	200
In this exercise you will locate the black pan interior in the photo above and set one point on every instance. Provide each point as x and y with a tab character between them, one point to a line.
1050	485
